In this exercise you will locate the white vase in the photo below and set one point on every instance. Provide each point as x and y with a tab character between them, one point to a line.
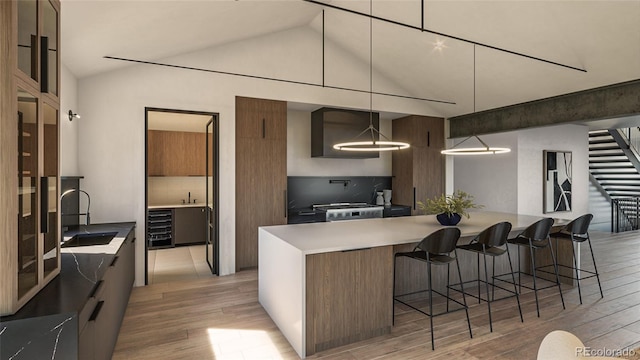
387	197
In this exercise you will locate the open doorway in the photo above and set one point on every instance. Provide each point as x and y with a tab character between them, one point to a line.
181	197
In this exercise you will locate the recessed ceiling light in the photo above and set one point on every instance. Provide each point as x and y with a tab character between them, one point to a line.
439	45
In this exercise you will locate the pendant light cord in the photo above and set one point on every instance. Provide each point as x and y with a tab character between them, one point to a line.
373	138
474	78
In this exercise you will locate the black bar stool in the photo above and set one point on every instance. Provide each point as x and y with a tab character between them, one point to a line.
535	237
435	249
577	232
492	242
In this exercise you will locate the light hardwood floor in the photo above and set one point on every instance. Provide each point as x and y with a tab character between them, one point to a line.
182	263
220	318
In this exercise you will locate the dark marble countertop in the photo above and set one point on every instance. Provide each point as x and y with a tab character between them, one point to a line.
82	268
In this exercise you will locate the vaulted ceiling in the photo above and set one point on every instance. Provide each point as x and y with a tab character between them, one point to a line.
601	37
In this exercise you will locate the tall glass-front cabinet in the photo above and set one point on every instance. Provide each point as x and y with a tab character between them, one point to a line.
29	157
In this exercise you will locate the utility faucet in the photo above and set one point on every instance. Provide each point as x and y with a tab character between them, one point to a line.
86	214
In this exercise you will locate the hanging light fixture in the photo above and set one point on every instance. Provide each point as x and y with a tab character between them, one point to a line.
373	144
485	149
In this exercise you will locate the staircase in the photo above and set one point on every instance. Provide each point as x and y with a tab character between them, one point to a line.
613	166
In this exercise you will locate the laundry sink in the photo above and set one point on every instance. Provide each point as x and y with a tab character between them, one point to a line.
88	239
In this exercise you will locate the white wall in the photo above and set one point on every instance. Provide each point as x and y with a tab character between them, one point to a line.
111	133
513	182
68	129
492	180
300	162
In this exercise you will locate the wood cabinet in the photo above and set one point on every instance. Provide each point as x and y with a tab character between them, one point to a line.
261	173
418	172
29	164
176	153
189	225
347	296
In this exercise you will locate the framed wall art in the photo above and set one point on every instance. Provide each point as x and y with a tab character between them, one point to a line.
557	181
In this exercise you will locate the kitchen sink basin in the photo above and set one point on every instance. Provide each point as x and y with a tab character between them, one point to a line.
89	239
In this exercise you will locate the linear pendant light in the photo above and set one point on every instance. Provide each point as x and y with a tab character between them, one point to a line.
485	149
373	144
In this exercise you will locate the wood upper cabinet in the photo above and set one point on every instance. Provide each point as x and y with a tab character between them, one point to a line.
176	153
37	44
261	173
418	172
261	119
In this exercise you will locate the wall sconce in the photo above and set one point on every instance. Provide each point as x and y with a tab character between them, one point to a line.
73	115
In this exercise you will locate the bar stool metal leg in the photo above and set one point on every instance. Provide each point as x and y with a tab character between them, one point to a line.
555	267
519	273
478	278
430	303
533	269
575	263
486	282
464	299
515	289
393	293
493	279
595	268
448	282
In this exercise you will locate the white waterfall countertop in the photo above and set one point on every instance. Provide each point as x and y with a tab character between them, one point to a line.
324	237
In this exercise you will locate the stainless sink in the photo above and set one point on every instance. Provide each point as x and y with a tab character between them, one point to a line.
89	239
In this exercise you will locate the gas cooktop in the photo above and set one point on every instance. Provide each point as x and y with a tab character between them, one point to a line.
343	206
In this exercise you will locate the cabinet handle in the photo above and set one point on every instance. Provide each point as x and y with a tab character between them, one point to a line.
34	55
114	261
44	64
44	204
285	204
96	311
428	138
264	128
414	198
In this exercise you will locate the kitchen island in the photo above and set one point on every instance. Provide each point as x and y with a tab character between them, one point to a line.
331	284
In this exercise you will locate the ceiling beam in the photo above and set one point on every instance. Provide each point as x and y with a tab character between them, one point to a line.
611	101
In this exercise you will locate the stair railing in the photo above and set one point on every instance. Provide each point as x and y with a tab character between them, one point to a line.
624	214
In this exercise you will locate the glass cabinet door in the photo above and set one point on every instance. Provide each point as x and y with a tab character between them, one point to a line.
28	37
27	192
49	223
49	49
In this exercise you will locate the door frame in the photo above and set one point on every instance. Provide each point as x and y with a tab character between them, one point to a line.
216	191
215	267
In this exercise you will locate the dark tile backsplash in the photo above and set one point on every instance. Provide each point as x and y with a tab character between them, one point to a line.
304	191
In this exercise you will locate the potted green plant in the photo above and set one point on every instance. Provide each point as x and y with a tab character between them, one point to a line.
449	209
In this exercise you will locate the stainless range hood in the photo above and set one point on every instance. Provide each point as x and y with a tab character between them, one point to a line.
331	126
